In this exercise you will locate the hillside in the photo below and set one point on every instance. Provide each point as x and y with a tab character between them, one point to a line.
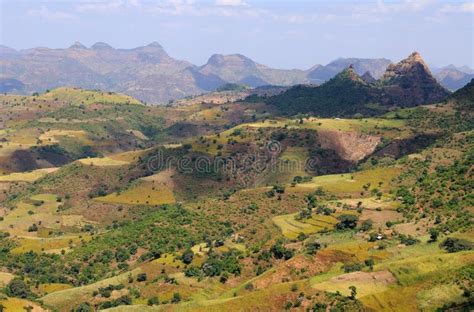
218	203
345	94
464	97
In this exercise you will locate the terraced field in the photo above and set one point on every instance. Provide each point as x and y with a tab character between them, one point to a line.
291	228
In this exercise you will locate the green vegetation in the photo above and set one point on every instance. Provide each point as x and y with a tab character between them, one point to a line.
333	214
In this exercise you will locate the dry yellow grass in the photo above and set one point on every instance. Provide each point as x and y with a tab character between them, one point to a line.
5	278
52	136
367	283
102	162
52	287
76	96
18	305
143	193
30	176
353	183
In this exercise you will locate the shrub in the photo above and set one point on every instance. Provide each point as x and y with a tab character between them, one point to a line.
347	221
153	301
187	256
176	298
17	288
452	244
141	277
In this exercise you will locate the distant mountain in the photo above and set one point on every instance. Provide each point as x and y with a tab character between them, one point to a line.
453	78
376	68
151	75
405	84
237	68
147	73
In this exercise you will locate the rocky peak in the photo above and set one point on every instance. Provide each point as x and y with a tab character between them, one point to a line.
350	74
413	65
410	82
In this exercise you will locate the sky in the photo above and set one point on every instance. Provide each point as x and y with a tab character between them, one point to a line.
277	33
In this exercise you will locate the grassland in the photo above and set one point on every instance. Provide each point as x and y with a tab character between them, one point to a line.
352	183
103	161
144	192
77	96
27	176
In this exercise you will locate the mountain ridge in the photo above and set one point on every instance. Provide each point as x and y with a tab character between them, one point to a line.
150	74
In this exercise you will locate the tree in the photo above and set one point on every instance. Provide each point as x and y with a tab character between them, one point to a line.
433	235
141	277
370	263
17	288
366	225
353	292
347	221
187	256
153	301
176	298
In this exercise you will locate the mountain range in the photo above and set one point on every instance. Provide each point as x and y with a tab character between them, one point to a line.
151	75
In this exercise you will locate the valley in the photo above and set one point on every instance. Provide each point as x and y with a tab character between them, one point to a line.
349	196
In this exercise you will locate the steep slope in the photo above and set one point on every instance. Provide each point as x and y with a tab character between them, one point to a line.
464	97
345	94
375	67
410	83
367	77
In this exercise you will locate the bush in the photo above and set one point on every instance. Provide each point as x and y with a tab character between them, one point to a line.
176	298
187	256
347	221
408	240
352	267
452	244
153	301
84	307
17	288
366	225
141	277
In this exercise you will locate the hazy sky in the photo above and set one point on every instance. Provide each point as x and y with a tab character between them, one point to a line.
284	34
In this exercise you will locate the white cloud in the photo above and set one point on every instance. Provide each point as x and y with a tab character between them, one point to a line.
106	6
230	3
467	7
46	13
403	6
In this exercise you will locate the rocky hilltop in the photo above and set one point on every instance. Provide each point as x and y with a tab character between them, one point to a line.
410	83
405	84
